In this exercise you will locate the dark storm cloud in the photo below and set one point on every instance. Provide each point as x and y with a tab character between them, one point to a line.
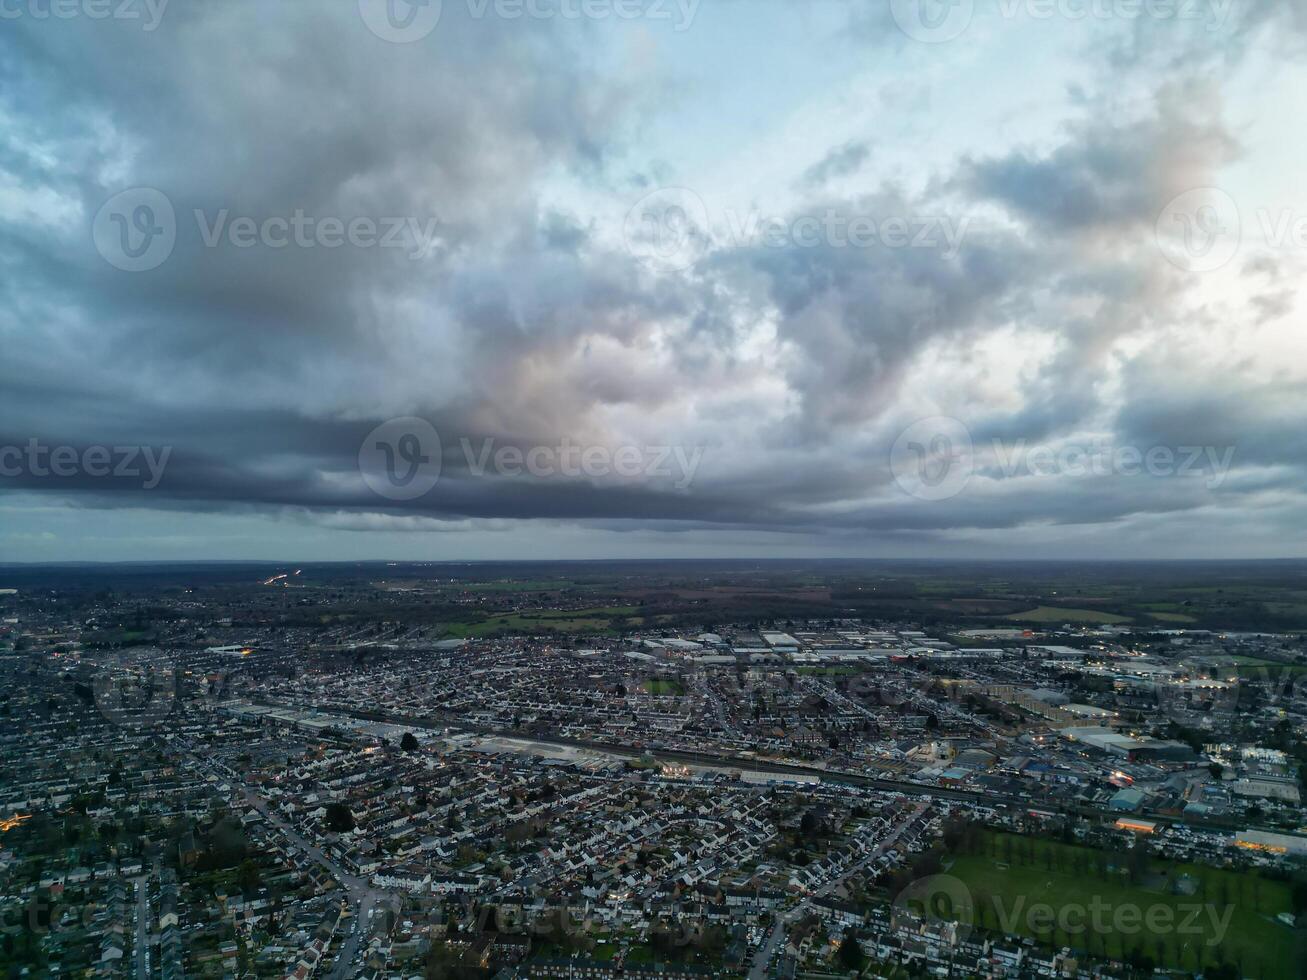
1263	421
453	135
1109	176
263	370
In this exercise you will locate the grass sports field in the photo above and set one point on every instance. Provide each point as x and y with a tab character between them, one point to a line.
1215	915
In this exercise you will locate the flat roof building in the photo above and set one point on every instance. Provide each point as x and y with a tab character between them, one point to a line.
1263	840
1127	800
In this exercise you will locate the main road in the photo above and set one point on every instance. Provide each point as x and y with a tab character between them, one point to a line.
762	959
362	896
142	941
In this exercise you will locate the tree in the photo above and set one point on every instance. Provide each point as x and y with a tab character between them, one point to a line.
849	954
247	876
339	818
1299	897
446	963
1137	863
408	743
809	825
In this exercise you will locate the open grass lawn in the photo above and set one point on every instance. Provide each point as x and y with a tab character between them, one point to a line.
1229	916
1056	614
1256	669
664	687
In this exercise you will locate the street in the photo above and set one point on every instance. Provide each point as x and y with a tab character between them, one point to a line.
763	958
361	895
142	942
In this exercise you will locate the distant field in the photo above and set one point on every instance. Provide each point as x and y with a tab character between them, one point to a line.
1234	596
526	585
1254	672
664	687
1056	614
1004	882
596	620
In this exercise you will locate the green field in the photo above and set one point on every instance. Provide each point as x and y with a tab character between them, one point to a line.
664	687
1216	916
1056	614
1257	667
595	620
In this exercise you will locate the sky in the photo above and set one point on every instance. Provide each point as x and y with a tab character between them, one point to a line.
494	279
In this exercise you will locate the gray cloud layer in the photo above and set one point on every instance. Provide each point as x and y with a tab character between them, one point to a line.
265	369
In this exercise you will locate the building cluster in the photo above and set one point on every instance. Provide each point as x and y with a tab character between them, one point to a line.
300	801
